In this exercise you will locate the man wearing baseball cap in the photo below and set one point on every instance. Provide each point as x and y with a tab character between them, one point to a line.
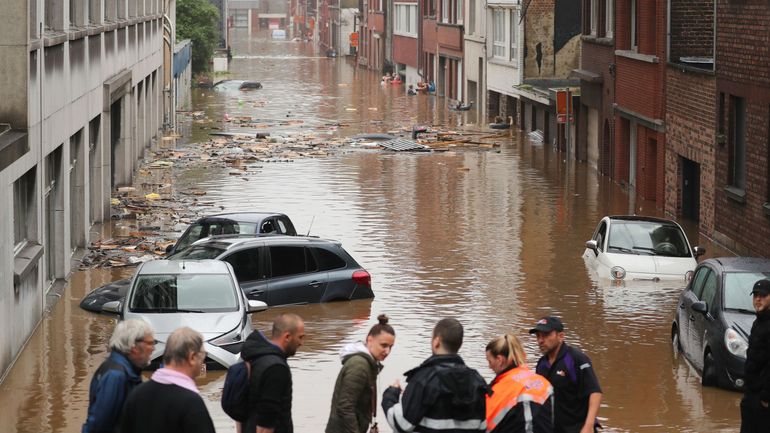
577	394
755	406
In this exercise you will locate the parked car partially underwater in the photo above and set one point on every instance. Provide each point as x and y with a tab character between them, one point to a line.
713	318
628	248
278	270
245	223
200	294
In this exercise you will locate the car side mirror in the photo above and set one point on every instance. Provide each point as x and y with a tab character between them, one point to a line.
700	307
698	251
255	306
112	307
593	245
170	248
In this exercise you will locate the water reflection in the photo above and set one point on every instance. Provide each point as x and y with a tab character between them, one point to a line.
493	238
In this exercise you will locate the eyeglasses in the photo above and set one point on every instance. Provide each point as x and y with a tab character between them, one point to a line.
147	342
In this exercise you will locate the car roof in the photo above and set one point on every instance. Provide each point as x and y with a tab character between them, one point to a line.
183	267
246	217
640	218
230	241
740	264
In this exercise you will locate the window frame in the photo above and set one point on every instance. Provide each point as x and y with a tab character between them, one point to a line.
609	18
471	17
634	25
593	17
498	32
513	32
737	146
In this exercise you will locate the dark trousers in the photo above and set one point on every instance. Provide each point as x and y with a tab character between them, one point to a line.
755	418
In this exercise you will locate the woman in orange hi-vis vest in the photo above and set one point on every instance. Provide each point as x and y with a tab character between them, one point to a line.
519	400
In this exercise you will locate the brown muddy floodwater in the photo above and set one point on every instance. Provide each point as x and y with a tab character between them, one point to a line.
492	237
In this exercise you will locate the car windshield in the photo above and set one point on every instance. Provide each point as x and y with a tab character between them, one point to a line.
738	287
198	252
647	237
171	293
217	227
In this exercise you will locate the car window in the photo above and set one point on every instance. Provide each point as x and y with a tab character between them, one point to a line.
738	286
709	290
327	260
648	238
171	293
189	237
601	234
268	226
246	264
281	226
197	252
697	282
291	260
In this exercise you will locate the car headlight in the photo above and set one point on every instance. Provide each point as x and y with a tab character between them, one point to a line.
688	276
618	273
735	344
232	337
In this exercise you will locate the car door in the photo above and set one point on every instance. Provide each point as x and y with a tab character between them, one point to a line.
685	314
294	276
249	268
701	321
600	235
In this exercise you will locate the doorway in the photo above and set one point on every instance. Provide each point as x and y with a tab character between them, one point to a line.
690	189
115	141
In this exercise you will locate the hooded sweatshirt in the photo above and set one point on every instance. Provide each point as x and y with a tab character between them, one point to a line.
270	385
355	391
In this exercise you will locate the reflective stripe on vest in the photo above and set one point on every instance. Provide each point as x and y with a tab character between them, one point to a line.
518	385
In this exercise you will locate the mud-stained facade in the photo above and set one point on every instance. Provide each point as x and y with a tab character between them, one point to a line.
552	38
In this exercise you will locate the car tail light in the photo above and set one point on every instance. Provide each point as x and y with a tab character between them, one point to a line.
362	277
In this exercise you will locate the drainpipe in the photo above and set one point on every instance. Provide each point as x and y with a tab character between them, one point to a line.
171	93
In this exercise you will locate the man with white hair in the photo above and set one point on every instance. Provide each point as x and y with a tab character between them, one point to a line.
170	400
130	347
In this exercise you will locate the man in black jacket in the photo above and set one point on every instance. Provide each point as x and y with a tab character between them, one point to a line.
270	384
755	406
443	394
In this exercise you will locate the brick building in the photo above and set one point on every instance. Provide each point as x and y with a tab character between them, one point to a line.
442	46
372	34
597	85
406	23
742	192
690	113
640	71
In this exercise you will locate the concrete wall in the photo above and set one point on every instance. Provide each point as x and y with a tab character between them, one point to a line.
71	78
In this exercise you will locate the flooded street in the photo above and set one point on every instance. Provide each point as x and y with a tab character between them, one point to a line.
493	237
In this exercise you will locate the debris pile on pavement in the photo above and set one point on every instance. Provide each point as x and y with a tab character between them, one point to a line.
435	137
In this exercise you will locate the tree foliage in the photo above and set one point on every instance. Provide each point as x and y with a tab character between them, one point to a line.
197	20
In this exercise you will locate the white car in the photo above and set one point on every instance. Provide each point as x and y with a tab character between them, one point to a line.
627	248
201	294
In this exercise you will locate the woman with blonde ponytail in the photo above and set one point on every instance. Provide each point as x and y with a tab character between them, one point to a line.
519	400
354	400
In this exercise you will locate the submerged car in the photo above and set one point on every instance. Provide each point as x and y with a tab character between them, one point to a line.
200	294
640	248
242	223
278	270
714	316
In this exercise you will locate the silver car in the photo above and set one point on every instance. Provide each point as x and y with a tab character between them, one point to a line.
201	294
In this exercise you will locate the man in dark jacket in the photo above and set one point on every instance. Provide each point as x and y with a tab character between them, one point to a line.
443	394
755	406
270	384
170	401
131	346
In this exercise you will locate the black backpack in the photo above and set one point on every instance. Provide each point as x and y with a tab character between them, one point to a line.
235	395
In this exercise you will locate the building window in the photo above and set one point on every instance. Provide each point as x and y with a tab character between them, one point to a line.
405	19
514	35
737	131
499	33
471	17
54	15
594	17
459	12
445	11
634	26
23	210
609	18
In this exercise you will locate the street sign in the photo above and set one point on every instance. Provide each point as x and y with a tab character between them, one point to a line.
562	118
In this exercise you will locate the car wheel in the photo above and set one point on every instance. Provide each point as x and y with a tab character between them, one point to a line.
675	343
709	377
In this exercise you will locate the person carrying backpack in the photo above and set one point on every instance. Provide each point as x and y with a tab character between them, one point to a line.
355	393
576	388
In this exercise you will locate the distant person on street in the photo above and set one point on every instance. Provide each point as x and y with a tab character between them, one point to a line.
270	385
354	401
442	394
130	347
755	406
411	91
170	401
576	388
520	401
